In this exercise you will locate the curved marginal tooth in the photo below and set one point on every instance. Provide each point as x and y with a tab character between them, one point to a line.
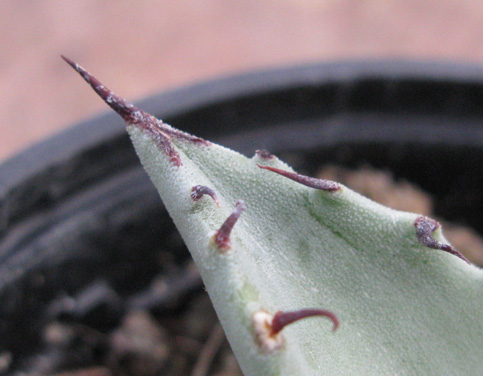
160	133
199	190
222	236
424	229
322	184
268	327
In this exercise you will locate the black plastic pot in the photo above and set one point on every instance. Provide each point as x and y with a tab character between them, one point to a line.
82	227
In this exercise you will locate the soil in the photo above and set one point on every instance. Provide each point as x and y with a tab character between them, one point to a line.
185	338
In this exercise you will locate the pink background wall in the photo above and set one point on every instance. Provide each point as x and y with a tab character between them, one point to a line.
141	47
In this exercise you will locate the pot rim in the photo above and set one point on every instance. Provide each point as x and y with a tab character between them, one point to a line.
106	125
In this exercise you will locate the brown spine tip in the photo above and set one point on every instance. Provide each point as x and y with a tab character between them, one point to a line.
199	190
160	133
282	319
322	184
120	105
424	228
222	236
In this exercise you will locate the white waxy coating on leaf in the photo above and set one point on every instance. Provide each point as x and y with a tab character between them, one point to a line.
404	309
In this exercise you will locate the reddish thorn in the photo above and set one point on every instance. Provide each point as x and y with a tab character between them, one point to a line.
322	184
120	105
264	154
424	228
160	133
222	236
199	190
282	319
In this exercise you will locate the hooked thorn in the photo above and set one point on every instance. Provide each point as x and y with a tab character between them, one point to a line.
222	236
267	326
322	184
424	228
199	190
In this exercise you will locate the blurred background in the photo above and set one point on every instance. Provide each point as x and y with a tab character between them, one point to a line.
141	47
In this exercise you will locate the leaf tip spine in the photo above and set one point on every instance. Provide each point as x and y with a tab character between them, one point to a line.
160	133
125	109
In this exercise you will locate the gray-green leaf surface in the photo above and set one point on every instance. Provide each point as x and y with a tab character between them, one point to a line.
404	308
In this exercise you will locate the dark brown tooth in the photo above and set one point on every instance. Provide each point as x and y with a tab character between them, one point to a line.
322	184
199	190
424	229
282	319
222	236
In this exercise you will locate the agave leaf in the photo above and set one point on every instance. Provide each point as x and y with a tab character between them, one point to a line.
408	303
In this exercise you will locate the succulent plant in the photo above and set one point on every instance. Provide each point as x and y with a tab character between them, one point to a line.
275	249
